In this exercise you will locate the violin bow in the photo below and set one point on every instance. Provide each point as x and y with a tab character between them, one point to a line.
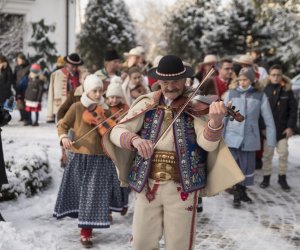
208	75
94	128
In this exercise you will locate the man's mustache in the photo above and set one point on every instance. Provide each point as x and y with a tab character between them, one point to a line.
172	91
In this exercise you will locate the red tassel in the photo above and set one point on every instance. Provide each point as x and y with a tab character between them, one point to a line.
150	195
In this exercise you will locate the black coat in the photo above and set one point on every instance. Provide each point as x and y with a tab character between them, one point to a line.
4	119
284	107
6	83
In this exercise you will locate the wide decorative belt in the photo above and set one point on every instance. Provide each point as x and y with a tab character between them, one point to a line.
164	166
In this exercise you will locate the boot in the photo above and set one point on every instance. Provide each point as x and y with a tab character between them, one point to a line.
266	181
282	182
199	206
1	218
236	197
244	196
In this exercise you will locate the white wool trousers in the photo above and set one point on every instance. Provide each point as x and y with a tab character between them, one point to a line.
282	150
171	214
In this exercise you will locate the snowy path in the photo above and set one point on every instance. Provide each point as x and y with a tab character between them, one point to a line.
272	222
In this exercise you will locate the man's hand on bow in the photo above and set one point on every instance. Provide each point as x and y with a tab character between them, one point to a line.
144	147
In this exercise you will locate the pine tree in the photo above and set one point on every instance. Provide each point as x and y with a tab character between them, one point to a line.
107	26
45	51
187	25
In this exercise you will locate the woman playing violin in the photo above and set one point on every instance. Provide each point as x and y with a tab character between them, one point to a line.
115	97
86	188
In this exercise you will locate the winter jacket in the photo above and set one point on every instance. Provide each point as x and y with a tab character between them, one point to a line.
21	71
72	98
34	90
91	144
4	119
245	135
283	105
6	83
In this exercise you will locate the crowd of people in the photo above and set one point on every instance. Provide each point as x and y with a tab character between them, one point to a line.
136	124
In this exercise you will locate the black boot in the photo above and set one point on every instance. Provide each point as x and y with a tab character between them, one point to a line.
200	205
236	196
244	196
266	181
282	182
1	218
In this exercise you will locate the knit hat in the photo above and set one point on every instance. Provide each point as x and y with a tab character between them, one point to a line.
111	55
91	82
35	68
249	73
115	87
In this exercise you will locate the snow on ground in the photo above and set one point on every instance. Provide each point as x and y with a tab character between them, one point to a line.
272	222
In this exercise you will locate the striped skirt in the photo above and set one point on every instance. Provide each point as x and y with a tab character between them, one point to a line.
89	190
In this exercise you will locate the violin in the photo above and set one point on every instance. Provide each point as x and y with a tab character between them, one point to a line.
200	106
96	115
115	110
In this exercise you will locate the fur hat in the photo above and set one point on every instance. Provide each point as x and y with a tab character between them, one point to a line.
73	59
249	73
170	68
91	82
35	68
115	87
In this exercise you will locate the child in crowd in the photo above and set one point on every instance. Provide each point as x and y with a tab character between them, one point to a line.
134	85
86	188
115	101
243	138
33	95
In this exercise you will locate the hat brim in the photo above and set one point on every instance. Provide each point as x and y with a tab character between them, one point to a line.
72	62
126	54
189	72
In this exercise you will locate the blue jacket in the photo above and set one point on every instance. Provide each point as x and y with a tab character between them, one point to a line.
246	135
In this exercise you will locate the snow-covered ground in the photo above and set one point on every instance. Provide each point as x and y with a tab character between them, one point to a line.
272	222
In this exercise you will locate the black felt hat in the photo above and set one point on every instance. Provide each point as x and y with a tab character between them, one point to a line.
170	68
111	55
74	59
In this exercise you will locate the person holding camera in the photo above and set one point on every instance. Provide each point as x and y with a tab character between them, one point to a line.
4	119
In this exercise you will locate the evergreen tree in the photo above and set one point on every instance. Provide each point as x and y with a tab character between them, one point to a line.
45	51
187	25
107	26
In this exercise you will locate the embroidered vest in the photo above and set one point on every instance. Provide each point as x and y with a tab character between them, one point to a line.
191	157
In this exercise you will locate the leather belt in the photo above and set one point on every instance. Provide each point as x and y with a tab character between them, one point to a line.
164	166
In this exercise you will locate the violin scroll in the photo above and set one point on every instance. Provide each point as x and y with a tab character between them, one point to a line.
234	115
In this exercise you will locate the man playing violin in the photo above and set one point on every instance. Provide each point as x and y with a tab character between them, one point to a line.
168	173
